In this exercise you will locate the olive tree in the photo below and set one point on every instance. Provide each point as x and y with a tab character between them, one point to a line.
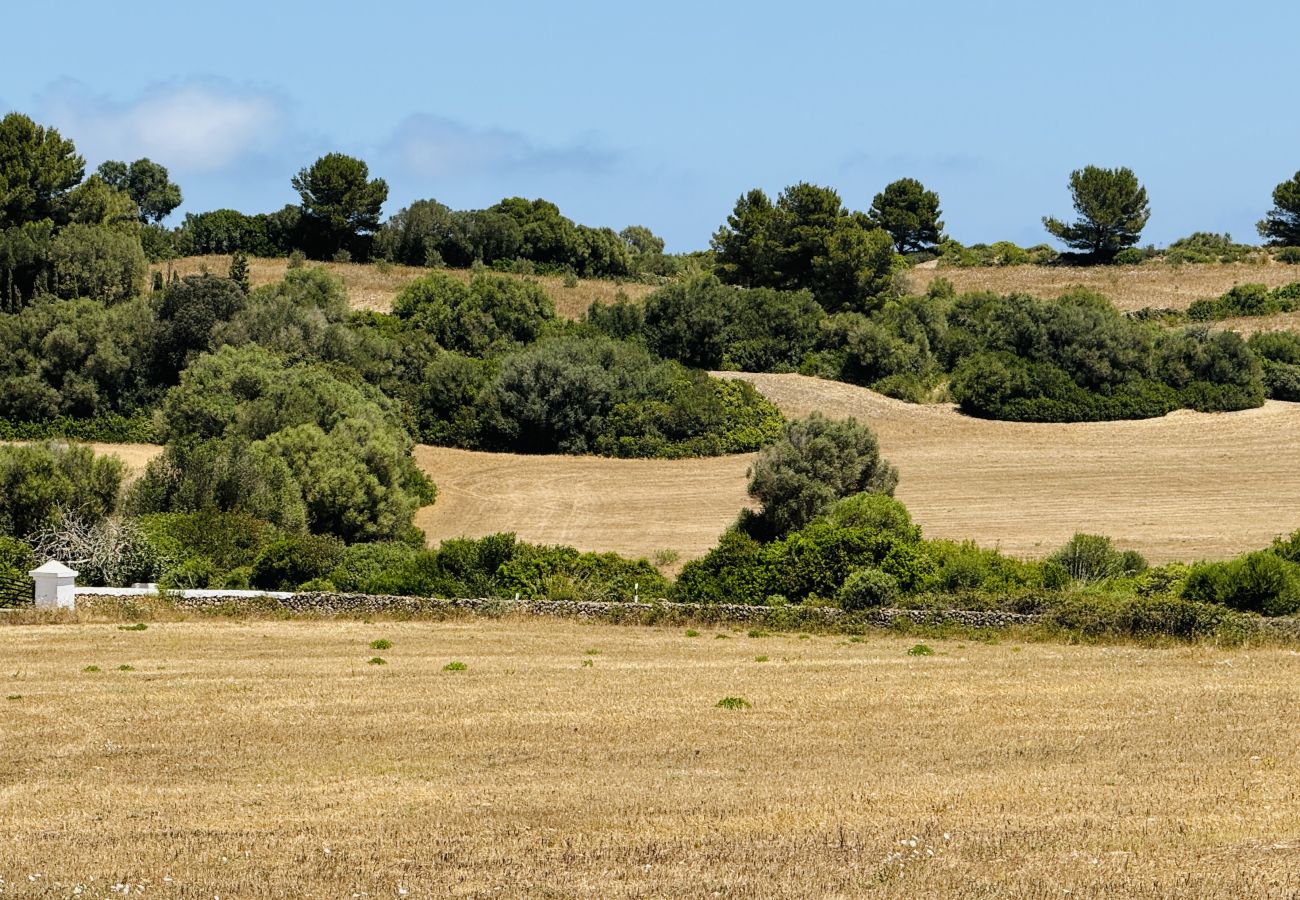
816	462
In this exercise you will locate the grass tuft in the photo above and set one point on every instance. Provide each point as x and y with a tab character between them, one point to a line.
733	703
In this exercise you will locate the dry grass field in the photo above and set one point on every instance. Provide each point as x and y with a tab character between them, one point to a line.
268	759
1155	284
370	287
636	507
1183	487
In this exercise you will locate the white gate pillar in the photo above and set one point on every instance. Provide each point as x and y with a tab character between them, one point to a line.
56	586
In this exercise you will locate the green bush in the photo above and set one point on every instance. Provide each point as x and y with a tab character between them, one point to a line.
1091	557
1260	582
40	482
867	588
1290	255
287	563
816	462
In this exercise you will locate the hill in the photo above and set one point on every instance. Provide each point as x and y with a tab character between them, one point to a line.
1182	487
373	286
1155	284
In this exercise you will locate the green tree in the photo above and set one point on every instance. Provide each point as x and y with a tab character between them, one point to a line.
340	204
96	262
816	462
807	240
188	310
1112	208
1281	226
910	214
239	270
37	167
145	182
39	482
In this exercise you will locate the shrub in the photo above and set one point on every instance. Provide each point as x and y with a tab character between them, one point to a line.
1130	256
97	262
816	462
867	588
1260	582
1290	255
291	561
491	313
39	483
1090	557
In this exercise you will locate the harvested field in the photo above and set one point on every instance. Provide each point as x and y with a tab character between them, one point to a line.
1184	487
267	759
636	507
370	287
1156	284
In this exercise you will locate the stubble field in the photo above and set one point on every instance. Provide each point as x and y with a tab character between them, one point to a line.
372	287
268	759
1186	486
1155	284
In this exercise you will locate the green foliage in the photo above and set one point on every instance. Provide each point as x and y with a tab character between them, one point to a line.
807	240
1079	359
867	588
1112	208
287	563
76	360
1289	255
148	185
703	323
491	314
239	270
205	549
38	483
1247	300
910	214
591	394
37	168
1281	227
228	231
97	262
1207	247
953	254
1260	582
1091	557
920	650
298	318
188	310
247	432
16	560
816	462
733	703
340	205
455	666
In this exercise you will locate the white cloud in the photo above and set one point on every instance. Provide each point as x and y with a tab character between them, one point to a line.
189	126
434	146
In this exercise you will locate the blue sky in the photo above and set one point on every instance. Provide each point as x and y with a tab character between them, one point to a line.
663	114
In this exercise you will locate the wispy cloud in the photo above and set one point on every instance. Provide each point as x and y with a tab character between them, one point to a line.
191	126
435	147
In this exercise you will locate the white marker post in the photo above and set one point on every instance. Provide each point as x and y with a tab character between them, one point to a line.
56	586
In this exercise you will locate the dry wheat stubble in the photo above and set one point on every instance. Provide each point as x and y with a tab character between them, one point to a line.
266	759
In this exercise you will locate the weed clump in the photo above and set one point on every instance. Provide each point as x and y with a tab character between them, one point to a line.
381	644
455	667
733	703
921	650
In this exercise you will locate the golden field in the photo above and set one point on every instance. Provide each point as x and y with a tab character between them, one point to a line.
268	759
1187	486
1156	284
372	287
